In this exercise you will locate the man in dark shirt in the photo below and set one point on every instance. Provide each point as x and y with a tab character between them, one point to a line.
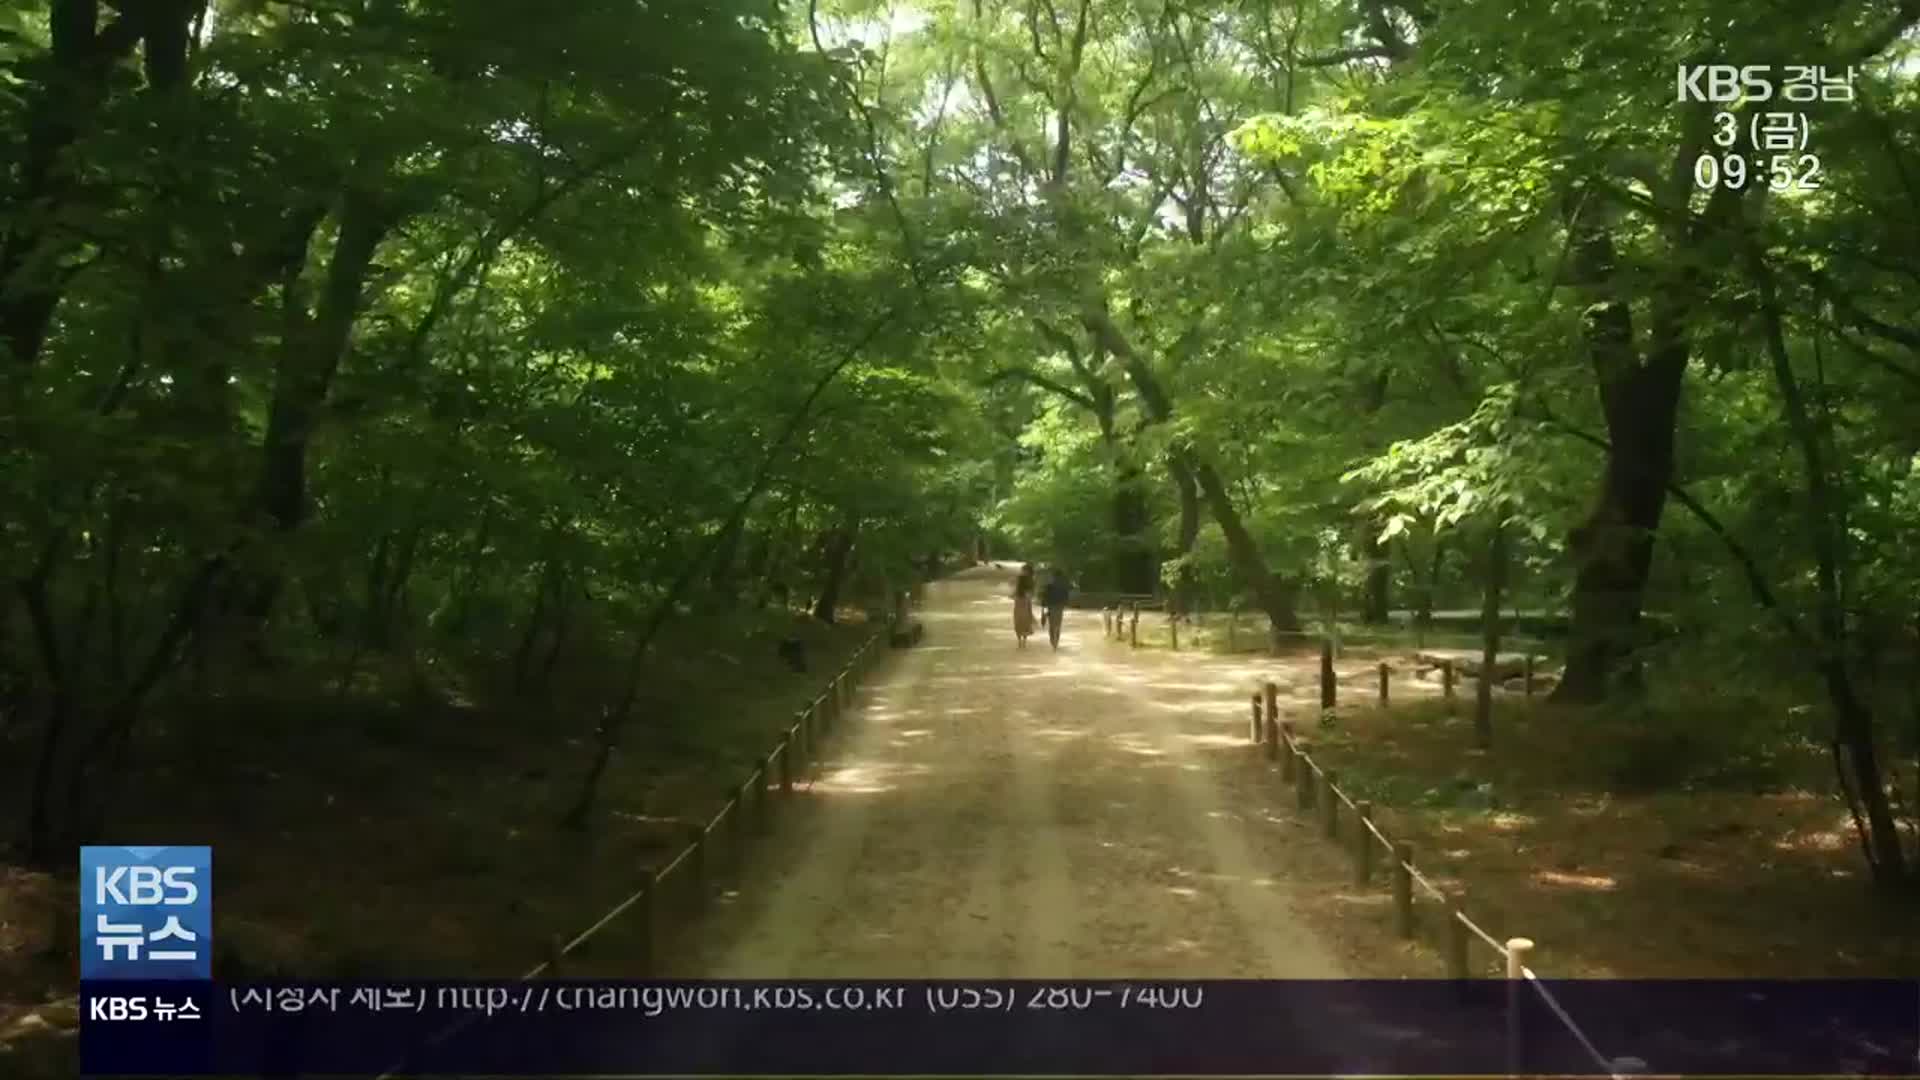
1054	599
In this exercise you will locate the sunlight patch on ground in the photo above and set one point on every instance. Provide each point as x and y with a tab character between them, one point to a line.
1183	890
1814	840
1133	746
1507	822
1208	688
1213	740
865	779
1599	882
1063	733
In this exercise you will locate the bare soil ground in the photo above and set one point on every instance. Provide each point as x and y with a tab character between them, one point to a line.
991	811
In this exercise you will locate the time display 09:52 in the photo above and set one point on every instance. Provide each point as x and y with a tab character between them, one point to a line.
1782	172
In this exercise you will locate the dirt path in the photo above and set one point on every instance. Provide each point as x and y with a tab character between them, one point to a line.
992	812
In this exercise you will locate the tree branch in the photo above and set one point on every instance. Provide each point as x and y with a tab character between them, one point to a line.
1052	386
1892	30
1342	56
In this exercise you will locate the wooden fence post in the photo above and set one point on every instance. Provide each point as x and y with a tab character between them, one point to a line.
1133	625
1332	797
1446	682
1328	694
1363	843
1173	631
1274	747
1403	888
1527	669
1457	941
1483	702
1383	684
1289	759
1106	621
1518	950
1233	629
1258	729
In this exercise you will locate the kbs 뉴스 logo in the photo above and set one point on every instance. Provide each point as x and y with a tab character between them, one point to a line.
146	912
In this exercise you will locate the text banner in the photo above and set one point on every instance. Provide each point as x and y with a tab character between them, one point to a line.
1007	1028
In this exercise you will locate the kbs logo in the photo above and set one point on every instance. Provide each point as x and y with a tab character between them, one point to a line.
1723	83
146	912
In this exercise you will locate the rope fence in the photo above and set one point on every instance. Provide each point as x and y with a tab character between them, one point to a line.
1318	792
1121	621
689	867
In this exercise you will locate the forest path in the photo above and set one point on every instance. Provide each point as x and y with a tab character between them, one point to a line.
992	812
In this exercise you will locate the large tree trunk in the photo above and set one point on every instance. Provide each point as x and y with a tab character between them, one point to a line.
1189	492
310	356
1279	599
1613	547
64	103
1134	567
834	572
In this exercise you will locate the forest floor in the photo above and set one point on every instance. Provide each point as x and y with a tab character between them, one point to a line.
1699	836
1685	842
991	812
381	834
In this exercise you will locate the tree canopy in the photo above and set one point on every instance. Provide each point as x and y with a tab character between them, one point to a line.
483	328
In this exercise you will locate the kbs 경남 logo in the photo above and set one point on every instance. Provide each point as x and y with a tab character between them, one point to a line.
146	912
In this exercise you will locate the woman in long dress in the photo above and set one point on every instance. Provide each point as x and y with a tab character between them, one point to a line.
1023	605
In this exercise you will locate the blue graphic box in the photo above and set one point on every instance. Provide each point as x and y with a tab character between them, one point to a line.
146	913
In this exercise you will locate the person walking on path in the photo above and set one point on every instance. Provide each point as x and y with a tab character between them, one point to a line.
1054	599
1023	605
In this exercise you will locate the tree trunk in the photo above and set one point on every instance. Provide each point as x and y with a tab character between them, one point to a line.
1274	597
1613	547
720	584
63	104
1376	603
834	571
1490	636
1279	599
310	355
536	621
1189	492
1134	565
1855	755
